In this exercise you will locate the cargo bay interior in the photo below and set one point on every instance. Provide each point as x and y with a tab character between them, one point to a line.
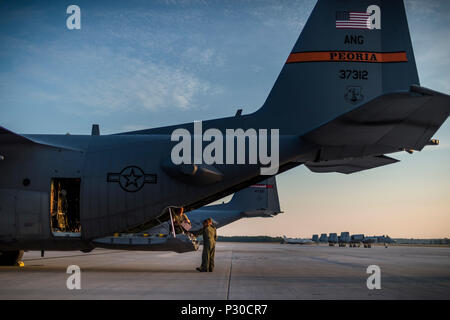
65	206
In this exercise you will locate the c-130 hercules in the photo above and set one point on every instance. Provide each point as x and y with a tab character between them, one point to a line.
347	95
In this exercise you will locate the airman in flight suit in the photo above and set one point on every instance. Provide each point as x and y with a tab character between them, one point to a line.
209	246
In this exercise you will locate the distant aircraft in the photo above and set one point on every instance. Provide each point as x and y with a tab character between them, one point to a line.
344	238
340	104
258	200
385	240
368	241
323	238
296	241
332	239
357	239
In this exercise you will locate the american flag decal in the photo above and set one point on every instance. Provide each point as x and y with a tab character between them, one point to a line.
352	20
262	186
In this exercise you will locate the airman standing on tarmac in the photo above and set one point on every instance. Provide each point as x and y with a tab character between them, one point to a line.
209	246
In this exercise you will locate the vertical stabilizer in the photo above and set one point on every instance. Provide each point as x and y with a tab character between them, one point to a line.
348	53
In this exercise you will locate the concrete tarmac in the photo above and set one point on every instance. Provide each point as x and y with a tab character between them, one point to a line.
243	271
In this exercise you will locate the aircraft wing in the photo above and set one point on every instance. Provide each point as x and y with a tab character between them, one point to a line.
348	166
389	123
9	137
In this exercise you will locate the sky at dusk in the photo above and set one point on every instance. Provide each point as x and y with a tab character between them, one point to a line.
141	64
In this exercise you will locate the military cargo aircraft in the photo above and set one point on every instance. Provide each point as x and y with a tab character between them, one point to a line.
258	200
347	95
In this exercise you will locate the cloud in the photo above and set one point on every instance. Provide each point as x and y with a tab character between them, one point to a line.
133	127
117	62
425	9
135	84
290	14
100	80
202	56
428	22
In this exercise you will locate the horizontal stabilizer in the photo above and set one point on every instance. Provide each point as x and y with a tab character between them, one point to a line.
389	123
348	166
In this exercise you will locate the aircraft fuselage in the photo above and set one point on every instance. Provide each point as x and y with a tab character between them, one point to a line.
123	183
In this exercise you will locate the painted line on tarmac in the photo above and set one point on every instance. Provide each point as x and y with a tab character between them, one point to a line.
229	276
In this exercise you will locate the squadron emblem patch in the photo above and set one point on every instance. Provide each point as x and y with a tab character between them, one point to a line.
353	94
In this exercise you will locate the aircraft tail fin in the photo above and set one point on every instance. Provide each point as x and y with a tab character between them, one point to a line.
256	198
348	53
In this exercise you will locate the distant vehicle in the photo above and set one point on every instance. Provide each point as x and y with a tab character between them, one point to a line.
344	238
323	238
332	239
296	241
315	238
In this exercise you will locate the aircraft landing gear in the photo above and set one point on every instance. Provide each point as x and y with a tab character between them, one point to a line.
10	258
